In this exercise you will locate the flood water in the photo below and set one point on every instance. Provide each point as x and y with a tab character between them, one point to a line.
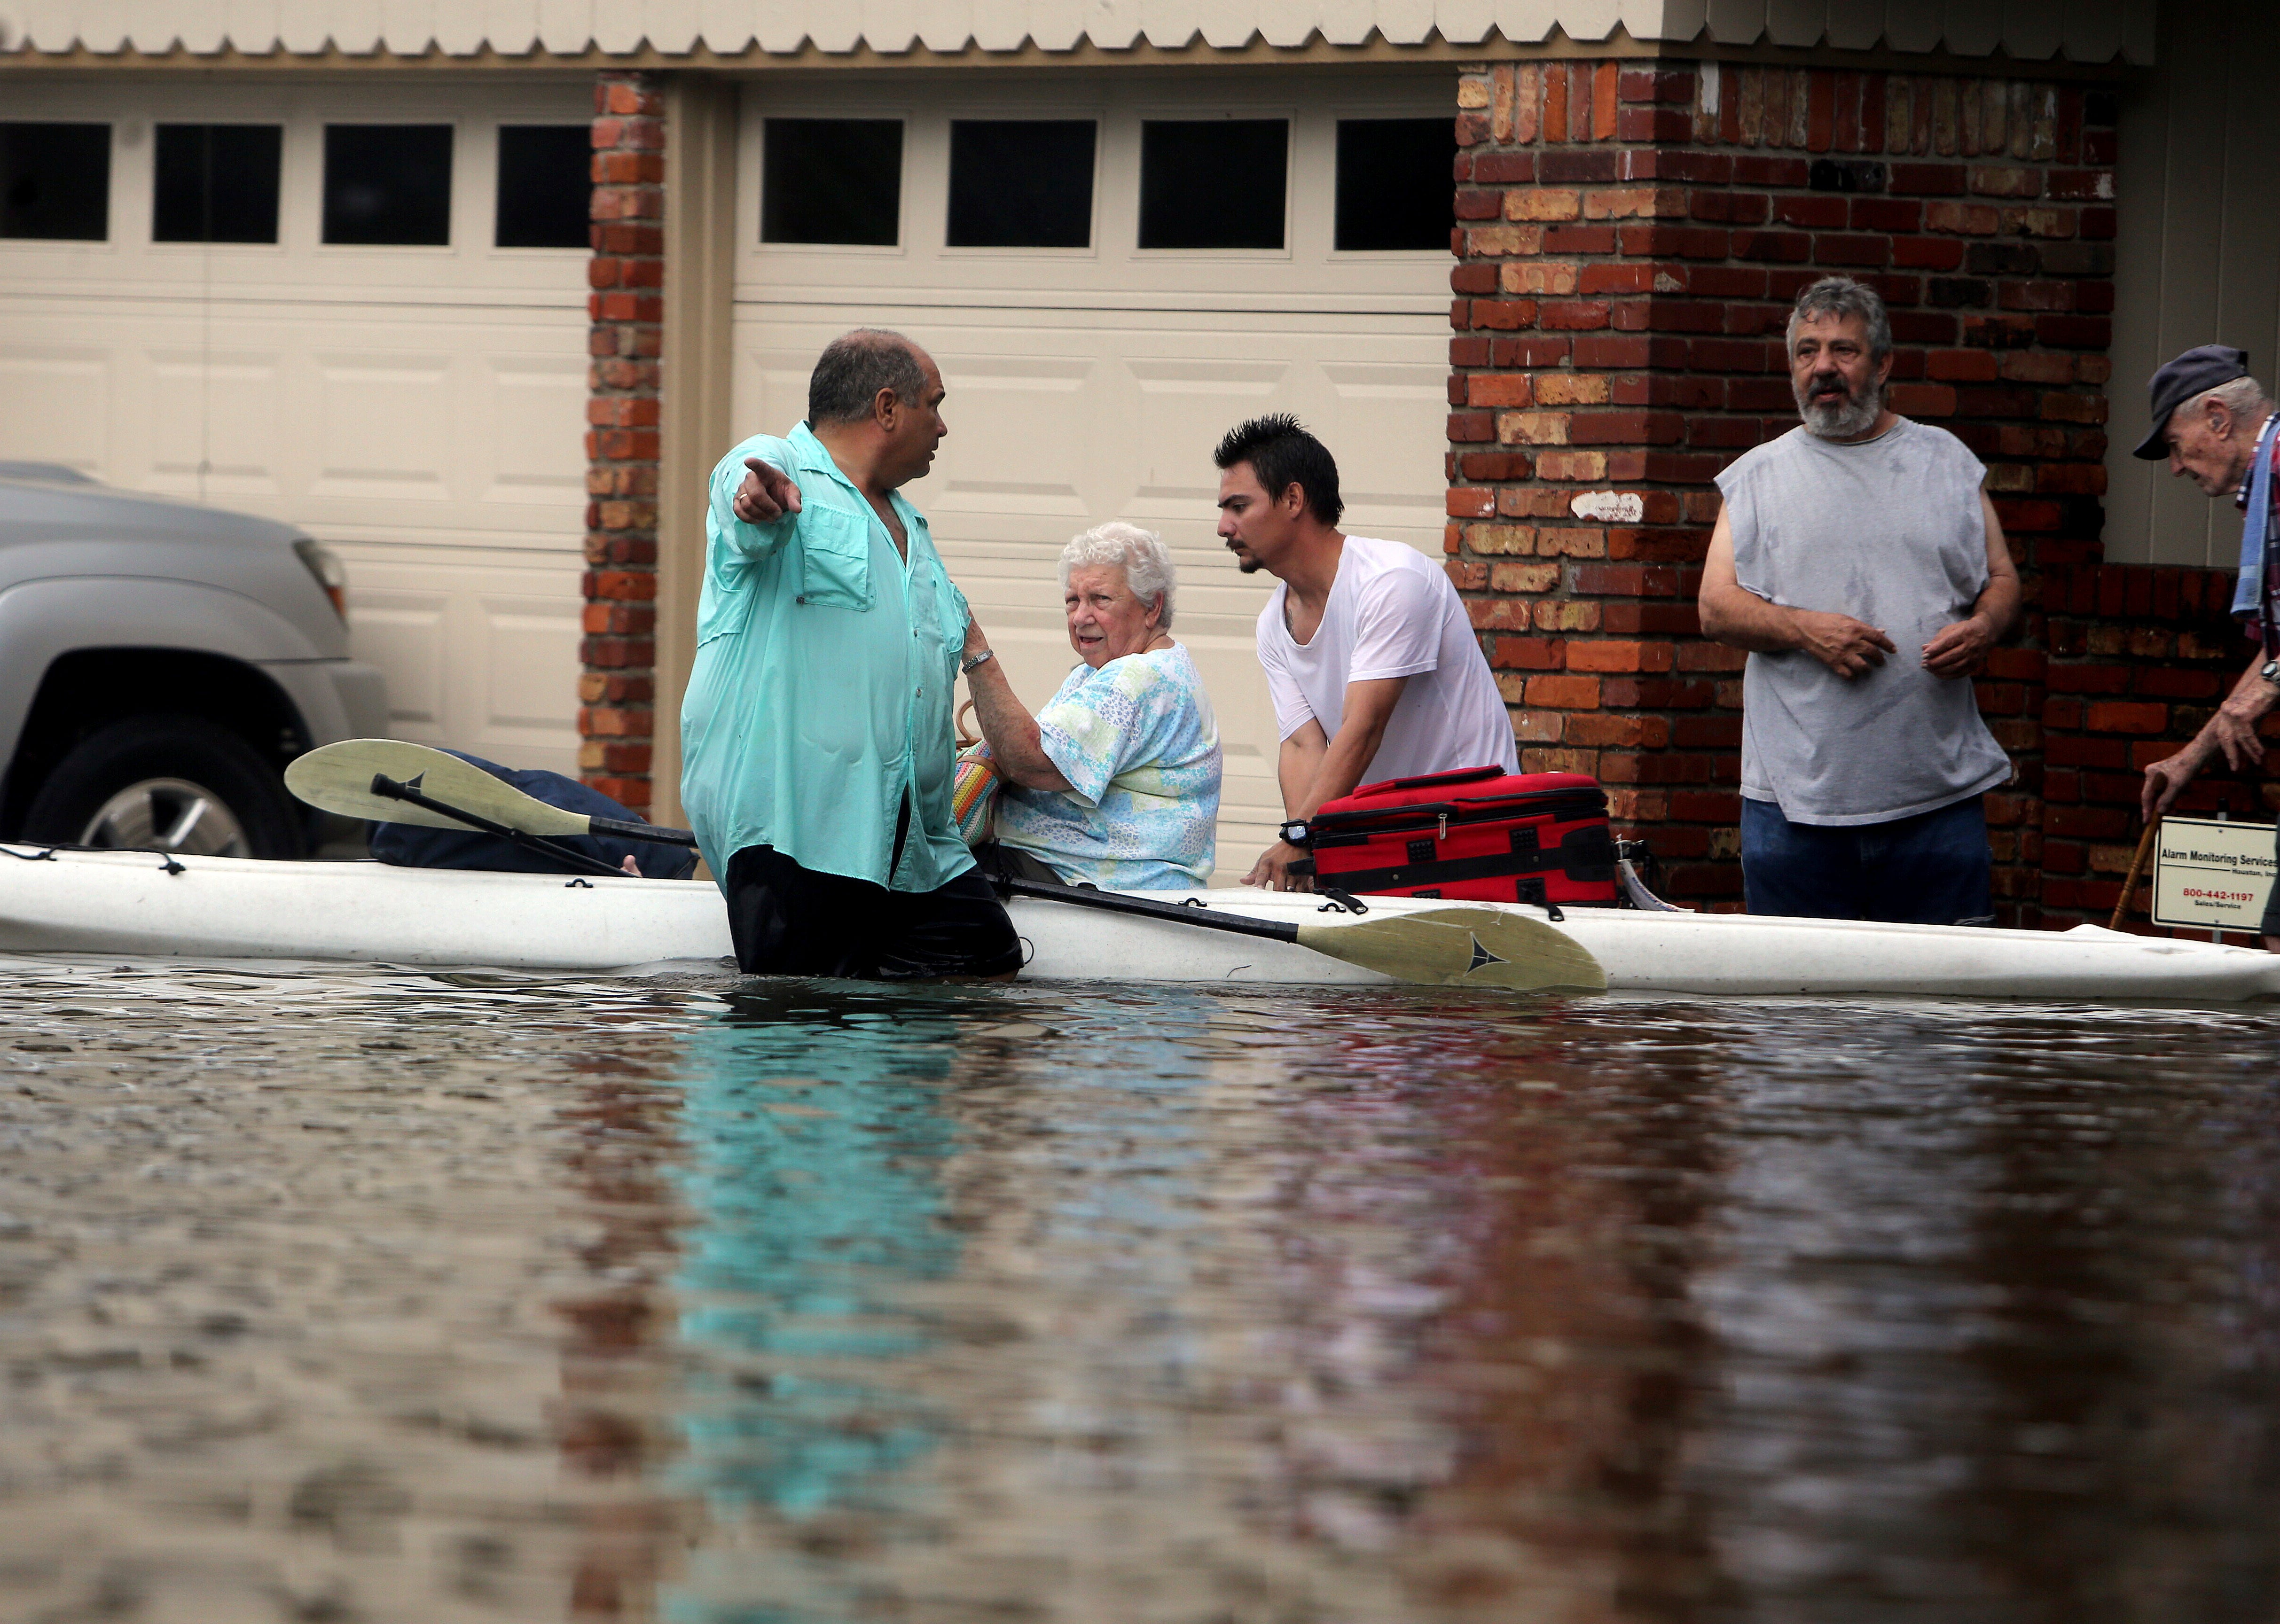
339	1296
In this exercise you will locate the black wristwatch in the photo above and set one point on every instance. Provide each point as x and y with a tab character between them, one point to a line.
1295	833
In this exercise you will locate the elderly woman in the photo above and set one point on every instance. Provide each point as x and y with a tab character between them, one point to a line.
1115	783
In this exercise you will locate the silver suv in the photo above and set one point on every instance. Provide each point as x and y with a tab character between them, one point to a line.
159	664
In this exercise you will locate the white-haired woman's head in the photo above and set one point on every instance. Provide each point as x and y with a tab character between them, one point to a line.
1117	585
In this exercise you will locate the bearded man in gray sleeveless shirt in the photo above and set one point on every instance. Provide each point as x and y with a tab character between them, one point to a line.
1860	562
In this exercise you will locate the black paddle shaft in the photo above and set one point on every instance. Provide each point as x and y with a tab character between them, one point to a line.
655	834
1109	902
387	790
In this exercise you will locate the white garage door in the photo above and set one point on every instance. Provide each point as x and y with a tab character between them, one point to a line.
1090	383
419	404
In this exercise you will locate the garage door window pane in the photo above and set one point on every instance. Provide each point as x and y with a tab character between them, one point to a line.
545	185
387	183
1212	182
1021	184
832	180
1395	182
54	181
216	183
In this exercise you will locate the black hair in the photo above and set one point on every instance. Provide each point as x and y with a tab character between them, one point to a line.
1281	454
854	367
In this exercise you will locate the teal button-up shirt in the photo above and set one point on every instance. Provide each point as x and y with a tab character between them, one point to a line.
822	696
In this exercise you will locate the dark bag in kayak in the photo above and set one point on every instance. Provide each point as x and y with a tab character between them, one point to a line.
411	845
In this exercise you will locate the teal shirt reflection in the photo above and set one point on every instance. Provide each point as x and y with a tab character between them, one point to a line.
814	1204
819	1133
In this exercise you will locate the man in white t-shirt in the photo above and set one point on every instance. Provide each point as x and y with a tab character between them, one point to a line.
1369	654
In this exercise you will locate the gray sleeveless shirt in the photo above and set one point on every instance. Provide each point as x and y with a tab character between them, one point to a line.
1888	531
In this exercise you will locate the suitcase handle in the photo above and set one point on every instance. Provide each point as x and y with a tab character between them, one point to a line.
1461	776
1535	797
1361	814
1466	809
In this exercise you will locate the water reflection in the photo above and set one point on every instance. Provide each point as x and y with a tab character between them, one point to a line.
394	1296
1971	1360
817	1183
619	1368
1345	1309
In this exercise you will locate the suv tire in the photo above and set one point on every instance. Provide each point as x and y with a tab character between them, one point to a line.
169	762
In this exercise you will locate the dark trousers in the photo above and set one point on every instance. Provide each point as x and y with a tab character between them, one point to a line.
790	921
1931	869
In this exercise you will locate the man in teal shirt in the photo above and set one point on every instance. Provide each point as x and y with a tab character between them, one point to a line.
816	735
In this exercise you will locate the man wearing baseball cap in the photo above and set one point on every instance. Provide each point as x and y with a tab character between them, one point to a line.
2215	424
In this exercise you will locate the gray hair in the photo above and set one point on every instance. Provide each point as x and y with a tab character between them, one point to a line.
1841	296
2242	399
1147	562
854	367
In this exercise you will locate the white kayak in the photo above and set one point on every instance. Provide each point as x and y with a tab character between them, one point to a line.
198	907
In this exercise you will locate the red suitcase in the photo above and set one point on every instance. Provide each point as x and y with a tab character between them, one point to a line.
1478	835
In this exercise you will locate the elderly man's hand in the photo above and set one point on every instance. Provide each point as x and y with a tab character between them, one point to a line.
1960	649
1272	869
2164	779
1847	646
2233	730
767	495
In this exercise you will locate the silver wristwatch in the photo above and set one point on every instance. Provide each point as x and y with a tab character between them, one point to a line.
966	666
2271	672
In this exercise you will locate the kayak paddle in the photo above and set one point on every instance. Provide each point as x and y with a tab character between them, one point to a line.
389	781
1447	947
338	778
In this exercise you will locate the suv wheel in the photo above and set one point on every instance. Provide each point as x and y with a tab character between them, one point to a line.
166	783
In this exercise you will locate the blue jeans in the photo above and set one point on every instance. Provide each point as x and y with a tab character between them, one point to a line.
1931	869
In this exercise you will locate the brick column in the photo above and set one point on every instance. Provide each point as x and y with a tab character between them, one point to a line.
1629	239
626	308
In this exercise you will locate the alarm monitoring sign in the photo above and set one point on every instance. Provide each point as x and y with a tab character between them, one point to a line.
2212	876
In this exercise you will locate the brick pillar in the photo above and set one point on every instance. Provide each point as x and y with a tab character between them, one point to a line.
626	308
1629	241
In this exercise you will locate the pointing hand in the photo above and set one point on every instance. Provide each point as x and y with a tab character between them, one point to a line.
766	494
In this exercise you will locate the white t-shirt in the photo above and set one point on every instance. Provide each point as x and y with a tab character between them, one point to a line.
1393	613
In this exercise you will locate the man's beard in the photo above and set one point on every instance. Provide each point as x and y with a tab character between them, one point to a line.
1247	565
1844	417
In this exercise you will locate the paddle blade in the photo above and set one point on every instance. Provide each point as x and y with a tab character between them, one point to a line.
337	778
1531	954
1460	947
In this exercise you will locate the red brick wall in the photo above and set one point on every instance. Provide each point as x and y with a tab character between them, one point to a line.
1628	240
626	308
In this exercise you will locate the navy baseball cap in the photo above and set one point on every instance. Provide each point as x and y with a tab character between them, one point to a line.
2201	368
